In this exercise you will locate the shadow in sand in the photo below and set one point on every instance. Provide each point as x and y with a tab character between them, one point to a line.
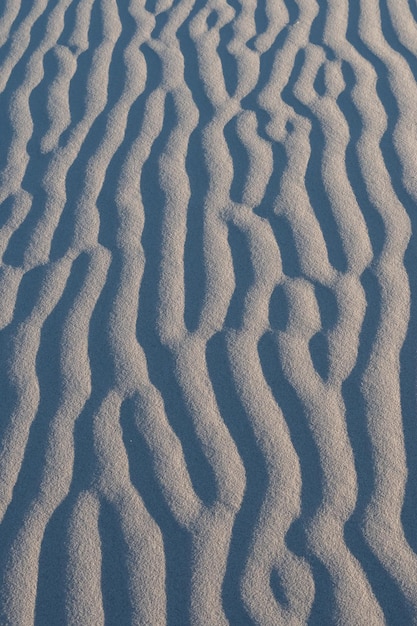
240	428
177	541
408	360
311	472
244	275
198	175
384	587
313	178
114	573
161	364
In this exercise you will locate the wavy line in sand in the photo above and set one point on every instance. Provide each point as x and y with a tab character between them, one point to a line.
207	244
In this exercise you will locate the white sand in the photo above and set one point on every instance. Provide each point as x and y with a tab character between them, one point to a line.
208	312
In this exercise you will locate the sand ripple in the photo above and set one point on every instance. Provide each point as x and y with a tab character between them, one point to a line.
209	311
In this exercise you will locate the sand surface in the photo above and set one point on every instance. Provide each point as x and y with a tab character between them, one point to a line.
208	320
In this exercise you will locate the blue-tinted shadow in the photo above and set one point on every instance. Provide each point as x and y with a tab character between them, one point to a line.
244	275
239	425
177	541
161	364
313	178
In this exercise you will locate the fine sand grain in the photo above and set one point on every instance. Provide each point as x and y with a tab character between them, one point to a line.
208	321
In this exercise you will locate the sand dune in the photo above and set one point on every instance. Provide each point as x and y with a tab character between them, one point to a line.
208	312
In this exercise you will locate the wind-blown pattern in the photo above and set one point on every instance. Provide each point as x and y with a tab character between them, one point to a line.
209	312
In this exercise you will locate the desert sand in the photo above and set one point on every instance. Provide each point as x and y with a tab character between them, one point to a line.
208	320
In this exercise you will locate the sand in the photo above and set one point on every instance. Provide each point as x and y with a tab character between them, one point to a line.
208	321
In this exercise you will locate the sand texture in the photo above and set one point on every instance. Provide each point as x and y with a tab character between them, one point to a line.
208	320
